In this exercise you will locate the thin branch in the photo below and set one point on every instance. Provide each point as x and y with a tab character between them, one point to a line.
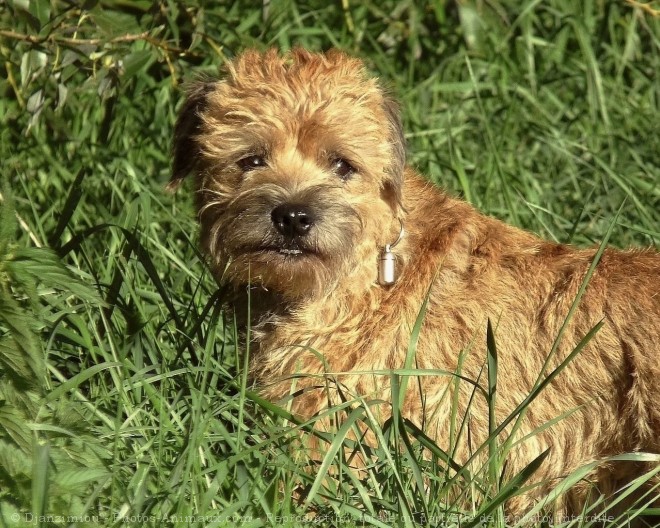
647	8
144	36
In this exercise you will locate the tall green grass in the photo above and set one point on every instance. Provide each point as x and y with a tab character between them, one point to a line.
123	396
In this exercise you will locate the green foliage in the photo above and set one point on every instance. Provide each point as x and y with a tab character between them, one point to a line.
35	295
121	389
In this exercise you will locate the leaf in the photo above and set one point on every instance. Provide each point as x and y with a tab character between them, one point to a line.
40	478
21	340
35	105
79	478
493	463
43	265
136	61
7	222
332	451
471	24
509	490
114	23
78	379
62	92
13	360
582	473
70	205
14	424
17	464
40	10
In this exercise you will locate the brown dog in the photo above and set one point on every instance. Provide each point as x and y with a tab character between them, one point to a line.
301	185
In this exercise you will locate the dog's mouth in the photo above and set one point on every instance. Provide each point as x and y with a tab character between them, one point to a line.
286	251
293	251
290	251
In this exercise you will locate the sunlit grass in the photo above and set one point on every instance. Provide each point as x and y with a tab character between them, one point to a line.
123	393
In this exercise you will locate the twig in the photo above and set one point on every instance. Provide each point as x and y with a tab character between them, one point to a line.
32	39
645	7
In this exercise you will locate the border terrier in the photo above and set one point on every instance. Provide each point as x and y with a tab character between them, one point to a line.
303	194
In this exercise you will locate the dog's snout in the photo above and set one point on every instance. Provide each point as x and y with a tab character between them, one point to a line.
292	219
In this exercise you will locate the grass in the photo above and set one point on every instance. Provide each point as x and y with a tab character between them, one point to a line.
123	396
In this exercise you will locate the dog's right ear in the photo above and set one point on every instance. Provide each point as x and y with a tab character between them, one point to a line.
185	148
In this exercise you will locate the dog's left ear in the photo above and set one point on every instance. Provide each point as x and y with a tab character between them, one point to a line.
185	148
394	185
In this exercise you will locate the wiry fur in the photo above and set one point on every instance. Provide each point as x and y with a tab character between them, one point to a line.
302	109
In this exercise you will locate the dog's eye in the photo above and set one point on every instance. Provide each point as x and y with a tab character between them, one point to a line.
251	162
342	168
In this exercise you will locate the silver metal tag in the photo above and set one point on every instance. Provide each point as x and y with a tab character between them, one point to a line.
387	262
387	267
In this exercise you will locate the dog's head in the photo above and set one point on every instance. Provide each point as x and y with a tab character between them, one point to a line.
298	162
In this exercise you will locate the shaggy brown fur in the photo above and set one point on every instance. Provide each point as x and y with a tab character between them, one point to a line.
315	134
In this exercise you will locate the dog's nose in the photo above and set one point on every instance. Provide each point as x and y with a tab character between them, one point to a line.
292	220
